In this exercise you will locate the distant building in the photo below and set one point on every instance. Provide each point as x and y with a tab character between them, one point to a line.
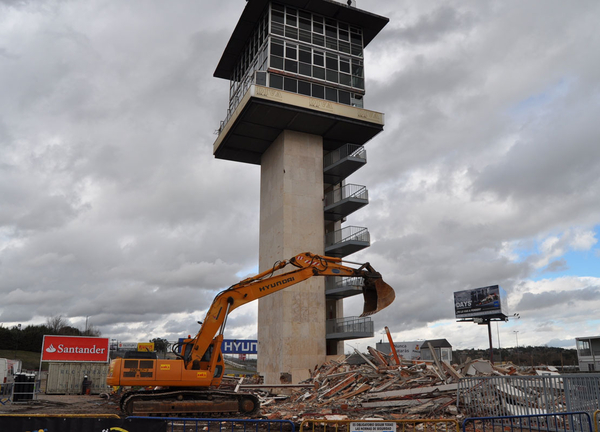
419	350
405	350
588	353
442	348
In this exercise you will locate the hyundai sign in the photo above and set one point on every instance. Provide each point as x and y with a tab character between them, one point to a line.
485	302
74	349
237	346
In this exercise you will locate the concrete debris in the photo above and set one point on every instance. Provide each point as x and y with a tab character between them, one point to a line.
373	384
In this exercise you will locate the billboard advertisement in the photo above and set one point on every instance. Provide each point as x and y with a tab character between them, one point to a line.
485	302
145	346
406	350
74	349
239	346
132	346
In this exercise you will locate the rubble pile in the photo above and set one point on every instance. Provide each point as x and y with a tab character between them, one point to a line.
371	386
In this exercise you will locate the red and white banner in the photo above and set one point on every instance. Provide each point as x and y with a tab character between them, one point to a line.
74	349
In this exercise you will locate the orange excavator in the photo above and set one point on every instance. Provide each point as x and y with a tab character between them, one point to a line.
188	385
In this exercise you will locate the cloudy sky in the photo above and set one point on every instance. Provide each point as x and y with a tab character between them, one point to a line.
112	206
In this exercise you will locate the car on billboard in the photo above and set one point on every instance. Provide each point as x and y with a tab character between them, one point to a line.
480	302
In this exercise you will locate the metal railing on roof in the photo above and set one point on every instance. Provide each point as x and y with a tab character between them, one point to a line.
256	77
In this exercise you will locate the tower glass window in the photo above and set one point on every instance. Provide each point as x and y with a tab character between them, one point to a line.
313	56
324	50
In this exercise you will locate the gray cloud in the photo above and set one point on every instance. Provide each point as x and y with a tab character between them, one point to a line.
550	299
431	26
112	206
556	266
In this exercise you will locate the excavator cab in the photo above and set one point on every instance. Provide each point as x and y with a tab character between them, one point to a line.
183	349
206	362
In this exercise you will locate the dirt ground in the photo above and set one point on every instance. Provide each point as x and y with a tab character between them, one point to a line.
63	404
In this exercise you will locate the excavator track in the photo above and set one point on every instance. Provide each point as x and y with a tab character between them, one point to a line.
189	403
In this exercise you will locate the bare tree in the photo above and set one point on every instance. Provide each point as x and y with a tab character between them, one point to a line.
92	331
57	323
160	345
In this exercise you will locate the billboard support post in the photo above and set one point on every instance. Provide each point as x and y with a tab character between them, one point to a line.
489	325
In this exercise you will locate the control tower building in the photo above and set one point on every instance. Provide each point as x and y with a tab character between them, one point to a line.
296	108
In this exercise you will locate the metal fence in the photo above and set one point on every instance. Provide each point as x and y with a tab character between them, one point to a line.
5	393
66	423
24	388
5	389
555	422
528	395
416	425
178	424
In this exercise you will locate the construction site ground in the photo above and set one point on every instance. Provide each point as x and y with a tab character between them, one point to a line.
355	387
97	405
63	404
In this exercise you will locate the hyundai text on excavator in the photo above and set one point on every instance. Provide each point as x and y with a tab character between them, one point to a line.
188	385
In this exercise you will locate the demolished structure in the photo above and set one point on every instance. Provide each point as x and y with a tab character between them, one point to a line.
372	385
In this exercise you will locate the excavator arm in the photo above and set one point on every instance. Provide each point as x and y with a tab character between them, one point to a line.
377	295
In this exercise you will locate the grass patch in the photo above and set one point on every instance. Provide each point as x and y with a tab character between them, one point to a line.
30	360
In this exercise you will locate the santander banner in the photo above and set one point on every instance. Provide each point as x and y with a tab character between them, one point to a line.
74	349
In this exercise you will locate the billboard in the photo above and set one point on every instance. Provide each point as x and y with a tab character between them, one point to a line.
133	346
238	346
128	346
406	350
485	302
74	349
145	346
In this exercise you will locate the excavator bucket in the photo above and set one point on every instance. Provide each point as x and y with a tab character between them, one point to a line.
377	294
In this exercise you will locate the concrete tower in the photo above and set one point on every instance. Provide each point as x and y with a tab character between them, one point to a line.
296	89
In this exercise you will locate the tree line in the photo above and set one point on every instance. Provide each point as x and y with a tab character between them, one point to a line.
30	338
523	356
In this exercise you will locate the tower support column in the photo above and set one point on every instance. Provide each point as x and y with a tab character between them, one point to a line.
291	323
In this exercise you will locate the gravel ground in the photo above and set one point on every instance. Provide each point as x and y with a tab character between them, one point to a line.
63	404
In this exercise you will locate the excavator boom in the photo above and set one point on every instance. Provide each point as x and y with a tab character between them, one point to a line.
200	364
